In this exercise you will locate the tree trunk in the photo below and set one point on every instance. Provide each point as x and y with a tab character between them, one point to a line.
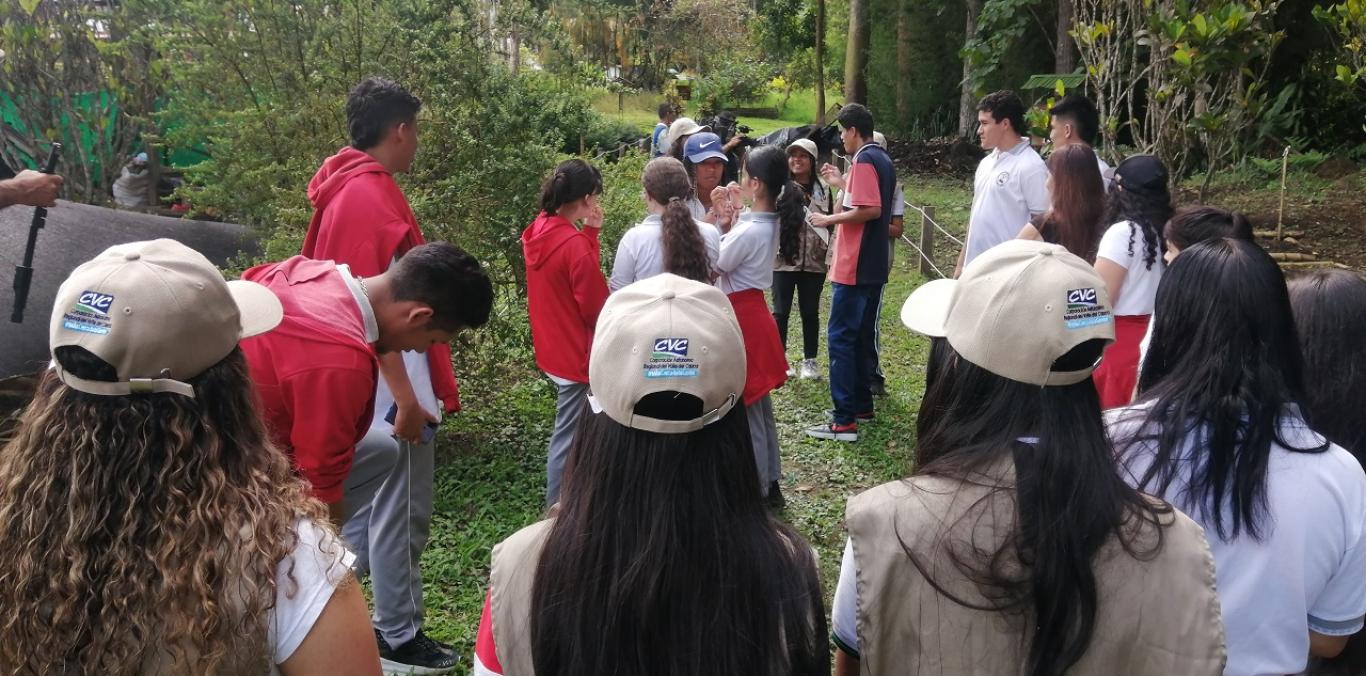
904	73
1065	54
856	54
820	62
967	102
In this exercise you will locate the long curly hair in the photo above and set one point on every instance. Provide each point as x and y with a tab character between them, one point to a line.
768	164
142	534
1147	213
685	253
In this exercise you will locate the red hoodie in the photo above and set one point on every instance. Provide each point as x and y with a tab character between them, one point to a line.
565	293
316	372
361	218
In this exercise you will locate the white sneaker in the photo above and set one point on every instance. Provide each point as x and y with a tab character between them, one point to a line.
790	372
809	370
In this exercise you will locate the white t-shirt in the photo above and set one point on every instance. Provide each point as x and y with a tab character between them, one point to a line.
699	212
1309	570
1010	186
1139	290
844	610
1107	175
640	253
747	251
415	363
320	562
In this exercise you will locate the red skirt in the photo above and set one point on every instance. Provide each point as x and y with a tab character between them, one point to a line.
766	362
1118	372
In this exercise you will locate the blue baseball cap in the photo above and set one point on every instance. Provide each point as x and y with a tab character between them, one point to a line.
703	146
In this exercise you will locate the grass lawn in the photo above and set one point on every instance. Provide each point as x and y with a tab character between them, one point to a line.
641	110
491	464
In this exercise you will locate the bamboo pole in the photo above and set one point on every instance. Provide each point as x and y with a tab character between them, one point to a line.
1280	215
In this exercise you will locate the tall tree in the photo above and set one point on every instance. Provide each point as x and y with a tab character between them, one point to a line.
904	75
820	62
1064	51
967	102
856	53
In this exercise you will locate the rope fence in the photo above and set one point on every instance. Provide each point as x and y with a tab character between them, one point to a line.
924	259
930	215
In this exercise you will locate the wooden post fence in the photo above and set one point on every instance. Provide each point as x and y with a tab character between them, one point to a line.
927	241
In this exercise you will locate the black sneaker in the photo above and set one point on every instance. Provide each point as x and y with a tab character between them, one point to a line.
421	656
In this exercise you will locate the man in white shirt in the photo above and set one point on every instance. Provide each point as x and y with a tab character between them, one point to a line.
1075	121
1011	182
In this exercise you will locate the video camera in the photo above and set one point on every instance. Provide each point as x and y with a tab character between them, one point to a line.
726	126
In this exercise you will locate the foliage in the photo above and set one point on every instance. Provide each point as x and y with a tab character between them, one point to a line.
1199	66
1347	20
78	73
734	83
1001	24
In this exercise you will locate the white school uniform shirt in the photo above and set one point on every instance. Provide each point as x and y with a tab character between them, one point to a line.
1010	187
1139	291
1308	572
1107	175
747	252
640	253
317	565
414	363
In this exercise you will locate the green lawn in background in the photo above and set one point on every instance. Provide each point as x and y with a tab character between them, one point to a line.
642	110
490	475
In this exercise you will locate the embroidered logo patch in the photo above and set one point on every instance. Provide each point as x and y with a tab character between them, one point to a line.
90	314
669	359
1084	309
1002	178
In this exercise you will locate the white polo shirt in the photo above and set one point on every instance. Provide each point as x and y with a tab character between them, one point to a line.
1010	187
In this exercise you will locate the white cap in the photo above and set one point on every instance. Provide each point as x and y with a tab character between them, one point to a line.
158	312
666	334
805	144
683	126
1017	308
879	139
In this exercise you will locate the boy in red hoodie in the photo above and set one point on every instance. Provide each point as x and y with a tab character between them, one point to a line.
362	219
316	375
565	293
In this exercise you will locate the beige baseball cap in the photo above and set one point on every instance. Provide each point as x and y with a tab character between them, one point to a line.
666	334
805	144
158	312
1017	308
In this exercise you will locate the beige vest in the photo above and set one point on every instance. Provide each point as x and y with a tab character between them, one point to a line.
1155	617
510	580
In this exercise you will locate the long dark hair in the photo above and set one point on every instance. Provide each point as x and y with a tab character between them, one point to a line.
663	560
768	164
1078	201
572	180
1197	223
1223	364
1070	500
1148	212
685	253
1330	320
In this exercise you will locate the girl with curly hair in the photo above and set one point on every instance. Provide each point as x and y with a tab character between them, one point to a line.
1130	261
150	526
668	240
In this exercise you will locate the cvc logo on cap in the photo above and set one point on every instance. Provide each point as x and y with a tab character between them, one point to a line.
1084	309
670	347
94	302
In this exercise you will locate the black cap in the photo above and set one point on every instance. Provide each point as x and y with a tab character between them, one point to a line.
1143	174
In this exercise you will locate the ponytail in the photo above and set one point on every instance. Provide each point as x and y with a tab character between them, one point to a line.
572	180
685	253
791	208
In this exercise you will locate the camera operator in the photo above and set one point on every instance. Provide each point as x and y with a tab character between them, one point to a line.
28	187
733	143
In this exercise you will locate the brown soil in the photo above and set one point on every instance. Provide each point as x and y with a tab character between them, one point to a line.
950	157
1327	223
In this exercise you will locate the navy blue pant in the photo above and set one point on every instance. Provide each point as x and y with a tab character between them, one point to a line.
852	334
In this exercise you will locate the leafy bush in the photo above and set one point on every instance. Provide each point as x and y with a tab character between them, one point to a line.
736	82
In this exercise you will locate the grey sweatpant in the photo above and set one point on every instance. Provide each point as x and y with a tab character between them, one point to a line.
389	517
763	434
570	402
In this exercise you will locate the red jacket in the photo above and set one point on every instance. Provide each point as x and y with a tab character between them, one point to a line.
565	293
361	218
315	373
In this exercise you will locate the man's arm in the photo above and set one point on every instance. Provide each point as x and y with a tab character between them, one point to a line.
32	188
855	215
410	417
